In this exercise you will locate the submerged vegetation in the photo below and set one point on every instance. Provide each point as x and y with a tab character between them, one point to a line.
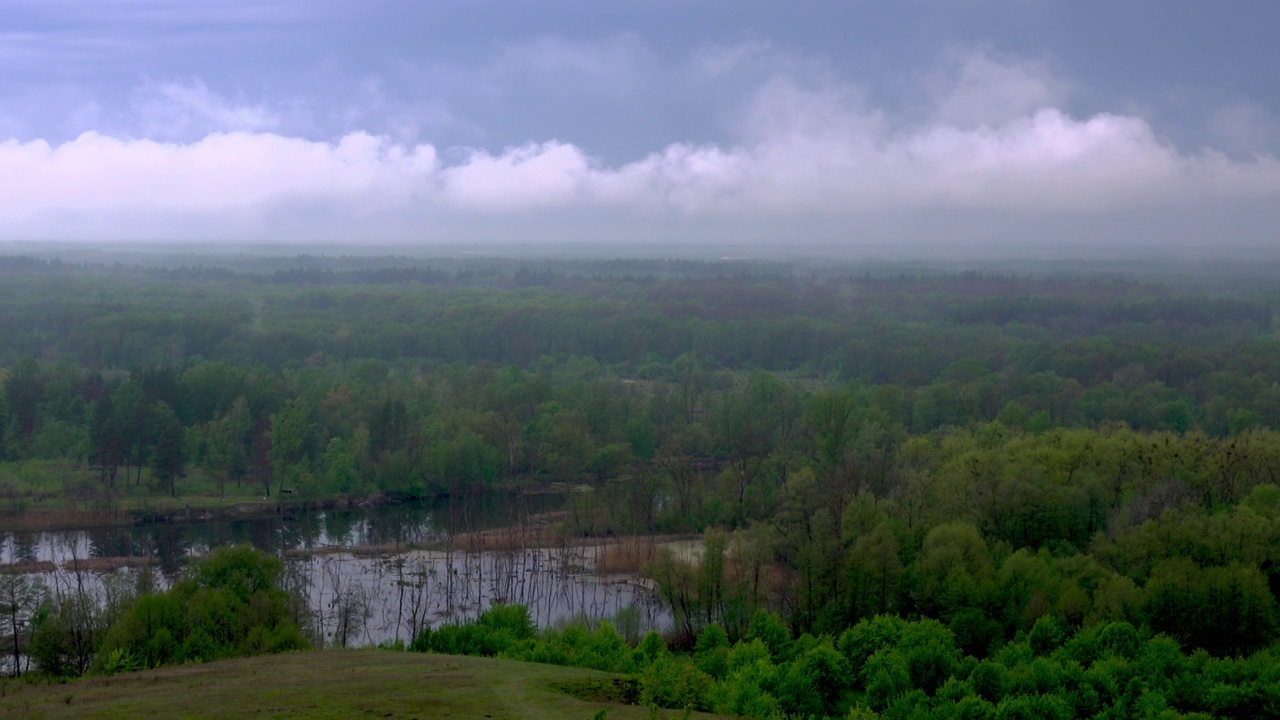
922	492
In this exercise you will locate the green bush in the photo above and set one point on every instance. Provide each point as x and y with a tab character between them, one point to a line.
230	605
860	642
671	683
769	629
989	681
711	654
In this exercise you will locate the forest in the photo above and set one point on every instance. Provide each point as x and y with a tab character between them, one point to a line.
923	490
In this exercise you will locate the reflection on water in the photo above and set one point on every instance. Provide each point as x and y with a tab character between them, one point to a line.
359	598
392	526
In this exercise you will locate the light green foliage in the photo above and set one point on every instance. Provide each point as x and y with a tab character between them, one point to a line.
769	629
229	606
931	653
290	429
672	683
711	654
860	642
651	648
887	678
340	472
875	571
500	630
816	680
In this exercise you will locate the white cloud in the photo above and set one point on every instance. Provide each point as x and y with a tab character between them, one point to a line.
550	174
228	171
804	151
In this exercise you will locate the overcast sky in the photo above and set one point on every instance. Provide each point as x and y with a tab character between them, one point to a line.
910	123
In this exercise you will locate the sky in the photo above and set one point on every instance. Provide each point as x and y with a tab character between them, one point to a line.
912	124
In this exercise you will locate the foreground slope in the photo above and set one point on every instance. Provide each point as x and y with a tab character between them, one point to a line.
356	684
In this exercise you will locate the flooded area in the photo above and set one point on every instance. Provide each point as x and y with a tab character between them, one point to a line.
167	545
369	575
359	600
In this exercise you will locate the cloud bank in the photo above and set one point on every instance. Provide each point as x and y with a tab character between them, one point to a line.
997	141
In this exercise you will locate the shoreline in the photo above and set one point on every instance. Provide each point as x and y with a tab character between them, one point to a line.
89	518
165	510
137	515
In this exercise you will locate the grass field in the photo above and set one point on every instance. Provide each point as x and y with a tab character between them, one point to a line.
332	684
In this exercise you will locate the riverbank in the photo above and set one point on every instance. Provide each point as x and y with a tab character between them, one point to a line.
157	509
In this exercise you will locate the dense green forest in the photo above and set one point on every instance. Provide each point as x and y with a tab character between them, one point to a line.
1040	470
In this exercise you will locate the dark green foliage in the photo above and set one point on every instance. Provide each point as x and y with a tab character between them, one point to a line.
1045	637
1033	707
816	680
1120	639
1226	610
908	669
931	654
711	653
989	681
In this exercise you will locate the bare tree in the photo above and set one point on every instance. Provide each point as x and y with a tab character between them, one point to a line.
20	596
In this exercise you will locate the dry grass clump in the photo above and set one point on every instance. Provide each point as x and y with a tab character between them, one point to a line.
625	555
506	539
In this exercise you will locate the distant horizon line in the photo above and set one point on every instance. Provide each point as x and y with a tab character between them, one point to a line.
712	250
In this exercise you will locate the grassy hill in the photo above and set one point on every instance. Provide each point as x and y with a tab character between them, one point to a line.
334	684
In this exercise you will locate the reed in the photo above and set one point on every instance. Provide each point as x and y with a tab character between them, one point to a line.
626	555
505	539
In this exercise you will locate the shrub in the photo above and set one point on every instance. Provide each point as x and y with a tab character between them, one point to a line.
673	684
711	654
769	628
229	606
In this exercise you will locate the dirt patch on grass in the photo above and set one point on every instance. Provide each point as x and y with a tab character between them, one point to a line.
610	690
